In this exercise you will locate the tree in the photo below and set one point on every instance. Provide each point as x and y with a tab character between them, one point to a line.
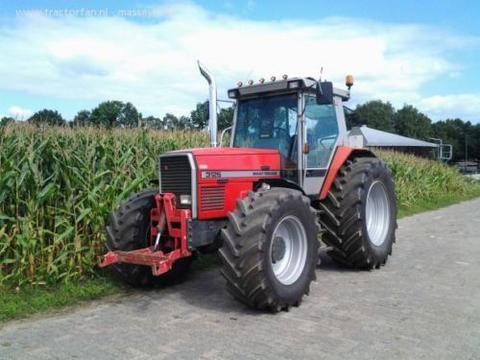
475	141
375	114
199	116
458	133
185	123
47	117
152	122
450	131
171	122
115	114
225	118
6	120
106	114
129	117
412	123
82	118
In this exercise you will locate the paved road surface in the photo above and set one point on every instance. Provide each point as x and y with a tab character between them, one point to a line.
425	304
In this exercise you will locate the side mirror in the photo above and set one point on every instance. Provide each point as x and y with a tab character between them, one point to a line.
324	92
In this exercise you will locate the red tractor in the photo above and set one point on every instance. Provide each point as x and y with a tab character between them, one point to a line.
291	177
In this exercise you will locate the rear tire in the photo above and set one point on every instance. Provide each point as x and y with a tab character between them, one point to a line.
359	214
129	229
270	249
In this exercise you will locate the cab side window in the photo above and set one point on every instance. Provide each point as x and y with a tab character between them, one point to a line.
322	132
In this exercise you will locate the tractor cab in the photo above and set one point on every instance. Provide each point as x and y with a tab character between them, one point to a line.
301	118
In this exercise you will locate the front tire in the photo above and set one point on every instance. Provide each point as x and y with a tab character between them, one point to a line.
129	229
270	249
359	214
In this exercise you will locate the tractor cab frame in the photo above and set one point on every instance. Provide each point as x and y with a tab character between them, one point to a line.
302	118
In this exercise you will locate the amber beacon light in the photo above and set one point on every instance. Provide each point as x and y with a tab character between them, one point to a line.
349	81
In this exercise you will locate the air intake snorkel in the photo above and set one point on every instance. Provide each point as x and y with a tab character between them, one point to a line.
212	107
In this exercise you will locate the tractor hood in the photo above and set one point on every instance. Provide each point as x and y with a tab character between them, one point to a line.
225	175
237	159
219	176
230	163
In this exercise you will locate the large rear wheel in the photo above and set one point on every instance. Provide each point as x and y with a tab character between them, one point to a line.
359	214
270	249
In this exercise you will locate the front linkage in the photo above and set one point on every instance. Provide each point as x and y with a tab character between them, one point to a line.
167	240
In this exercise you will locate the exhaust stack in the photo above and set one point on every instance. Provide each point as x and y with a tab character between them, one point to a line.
212	109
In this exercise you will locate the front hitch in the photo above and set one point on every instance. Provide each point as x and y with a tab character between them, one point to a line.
165	220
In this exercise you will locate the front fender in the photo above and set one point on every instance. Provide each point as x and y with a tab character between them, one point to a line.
342	154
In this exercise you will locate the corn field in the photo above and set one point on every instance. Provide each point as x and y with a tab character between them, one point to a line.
418	179
58	185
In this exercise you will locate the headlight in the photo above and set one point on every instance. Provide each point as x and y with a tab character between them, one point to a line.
185	199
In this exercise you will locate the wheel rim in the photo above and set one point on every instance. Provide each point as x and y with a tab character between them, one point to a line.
288	250
377	213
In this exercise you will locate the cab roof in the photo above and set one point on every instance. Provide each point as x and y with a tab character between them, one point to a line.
283	85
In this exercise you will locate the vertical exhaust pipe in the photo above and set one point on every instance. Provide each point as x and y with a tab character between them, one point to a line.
212	109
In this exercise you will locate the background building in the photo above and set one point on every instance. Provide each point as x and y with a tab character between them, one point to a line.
378	139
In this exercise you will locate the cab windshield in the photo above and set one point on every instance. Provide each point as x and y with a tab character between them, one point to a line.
268	123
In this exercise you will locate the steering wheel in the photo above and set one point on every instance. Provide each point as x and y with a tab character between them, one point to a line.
321	140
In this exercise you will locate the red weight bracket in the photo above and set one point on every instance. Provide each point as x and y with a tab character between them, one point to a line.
163	213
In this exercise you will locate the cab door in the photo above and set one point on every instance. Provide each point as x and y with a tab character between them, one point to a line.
321	133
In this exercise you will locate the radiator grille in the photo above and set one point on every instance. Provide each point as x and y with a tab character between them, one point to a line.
176	176
212	198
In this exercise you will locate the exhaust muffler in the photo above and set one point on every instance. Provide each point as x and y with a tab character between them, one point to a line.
212	108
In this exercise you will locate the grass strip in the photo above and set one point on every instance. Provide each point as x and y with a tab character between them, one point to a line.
29	300
436	203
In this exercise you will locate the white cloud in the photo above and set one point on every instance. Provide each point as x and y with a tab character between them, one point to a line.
153	64
19	113
450	106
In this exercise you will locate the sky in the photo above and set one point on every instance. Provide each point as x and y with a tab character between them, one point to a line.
70	55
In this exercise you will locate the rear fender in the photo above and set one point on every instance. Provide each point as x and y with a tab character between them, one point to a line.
342	154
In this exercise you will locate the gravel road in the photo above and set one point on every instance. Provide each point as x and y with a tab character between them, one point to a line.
425	304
